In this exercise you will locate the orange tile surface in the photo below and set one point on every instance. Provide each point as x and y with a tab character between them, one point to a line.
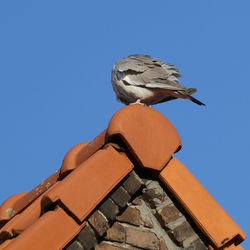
23	220
29	197
233	247
150	136
81	152
52	231
91	148
90	170
4	244
87	185
7	210
70	160
209	216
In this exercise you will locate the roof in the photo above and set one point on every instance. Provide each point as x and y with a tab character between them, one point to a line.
125	180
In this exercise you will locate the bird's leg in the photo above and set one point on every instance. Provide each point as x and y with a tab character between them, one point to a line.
138	101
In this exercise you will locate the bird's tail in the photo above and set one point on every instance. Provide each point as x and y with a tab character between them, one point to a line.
191	98
191	91
187	94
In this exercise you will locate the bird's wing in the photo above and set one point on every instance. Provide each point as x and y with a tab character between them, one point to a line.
128	64
148	72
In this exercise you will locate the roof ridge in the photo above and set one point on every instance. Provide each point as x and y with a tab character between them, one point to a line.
136	136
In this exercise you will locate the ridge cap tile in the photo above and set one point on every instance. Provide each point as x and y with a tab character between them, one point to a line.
81	152
7	210
29	197
150	137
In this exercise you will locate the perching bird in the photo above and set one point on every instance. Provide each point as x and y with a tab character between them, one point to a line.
147	80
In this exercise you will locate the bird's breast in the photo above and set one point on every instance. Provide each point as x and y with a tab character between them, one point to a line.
131	93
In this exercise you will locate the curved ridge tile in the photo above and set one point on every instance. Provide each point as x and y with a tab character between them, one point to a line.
7	210
70	159
149	135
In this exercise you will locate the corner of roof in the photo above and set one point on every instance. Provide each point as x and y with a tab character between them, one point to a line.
136	135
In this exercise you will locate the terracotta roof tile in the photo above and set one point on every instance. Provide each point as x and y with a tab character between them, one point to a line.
29	197
5	243
150	136
210	217
52	231
81	152
85	187
21	221
93	173
7	210
70	160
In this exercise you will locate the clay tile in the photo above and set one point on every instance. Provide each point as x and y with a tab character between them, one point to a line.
21	221
52	231
69	161
81	152
6	243
209	216
7	210
150	137
89	183
29	197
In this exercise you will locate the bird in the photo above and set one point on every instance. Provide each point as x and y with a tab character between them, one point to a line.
142	79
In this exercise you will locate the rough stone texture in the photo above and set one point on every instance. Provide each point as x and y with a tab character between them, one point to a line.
121	197
142	216
168	214
109	209
116	233
142	239
154	195
109	246
137	201
75	245
87	238
182	232
147	222
162	244
131	216
197	245
99	222
133	183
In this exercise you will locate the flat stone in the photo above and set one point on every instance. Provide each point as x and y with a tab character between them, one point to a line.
75	245
162	244
155	196
109	246
181	232
133	183
121	197
167	214
116	233
198	244
99	222
131	216
109	209
141	239
148	222
137	201
87	238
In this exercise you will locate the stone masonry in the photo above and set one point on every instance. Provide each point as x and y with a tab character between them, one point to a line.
139	214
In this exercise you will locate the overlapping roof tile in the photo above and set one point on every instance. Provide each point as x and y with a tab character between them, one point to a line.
95	184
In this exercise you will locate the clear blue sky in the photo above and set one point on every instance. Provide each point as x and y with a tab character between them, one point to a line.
56	59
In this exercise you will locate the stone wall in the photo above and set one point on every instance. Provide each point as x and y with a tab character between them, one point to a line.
139	214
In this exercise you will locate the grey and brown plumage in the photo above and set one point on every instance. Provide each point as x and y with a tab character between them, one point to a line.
145	79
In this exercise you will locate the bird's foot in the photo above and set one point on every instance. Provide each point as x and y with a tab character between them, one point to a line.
138	101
